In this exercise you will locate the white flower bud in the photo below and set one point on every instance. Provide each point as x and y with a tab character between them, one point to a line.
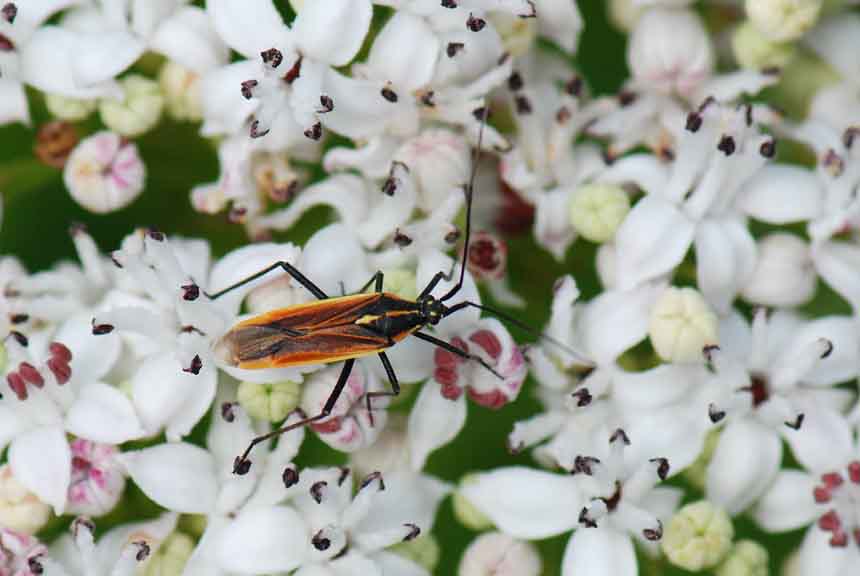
747	558
698	537
138	111
784	274
467	514
68	108
104	173
754	51
181	89
439	161
171	557
783	20
97	479
518	34
597	210
20	510
269	402
623	14
682	324
423	550
670	51
497	554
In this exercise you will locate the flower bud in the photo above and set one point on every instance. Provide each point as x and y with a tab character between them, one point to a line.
466	513
104	173
438	161
698	536
497	554
97	478
19	552
400	281
784	275
171	557
68	108
20	510
747	558
682	324
269	402
597	210
783	20
518	34
754	51
138	111
423	551
181	89
623	14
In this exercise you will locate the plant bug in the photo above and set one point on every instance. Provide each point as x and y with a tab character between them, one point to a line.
344	328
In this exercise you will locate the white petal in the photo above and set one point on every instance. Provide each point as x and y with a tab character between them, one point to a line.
784	275
92	356
12	422
404	52
788	504
390	563
824	441
359	110
433	422
718	273
526	503
818	557
616	321
599	552
224	108
34	12
332	270
263	540
197	402
744	464
651	241
560	21
656	387
13	102
178	476
841	363
189	39
333	31
782	193
42	462
248	27
103	414
838	264
408	498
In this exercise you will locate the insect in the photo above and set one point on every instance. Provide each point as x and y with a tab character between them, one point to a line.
346	327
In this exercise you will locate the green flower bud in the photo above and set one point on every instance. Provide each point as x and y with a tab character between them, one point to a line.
682	324
138	111
271	402
804	76
193	524
597	210
400	281
69	109
783	20
518	34
423	550
171	556
755	51
181	89
698	536
623	14
747	558
468	515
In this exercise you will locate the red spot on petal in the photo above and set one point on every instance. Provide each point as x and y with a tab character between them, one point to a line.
488	341
451	391
839	539
493	399
821	494
17	384
446	376
854	472
327	426
29	373
830	521
60	351
832	479
61	370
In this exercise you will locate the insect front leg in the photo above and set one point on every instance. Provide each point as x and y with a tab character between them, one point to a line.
376	280
287	267
241	465
454	350
395	385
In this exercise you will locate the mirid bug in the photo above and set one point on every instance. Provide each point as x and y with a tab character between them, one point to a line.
344	328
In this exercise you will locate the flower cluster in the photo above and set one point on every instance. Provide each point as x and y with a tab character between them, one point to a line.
700	347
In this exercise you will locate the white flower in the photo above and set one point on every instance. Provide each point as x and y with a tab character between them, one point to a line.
137	111
783	20
20	553
104	173
181	89
495	553
20	509
784	274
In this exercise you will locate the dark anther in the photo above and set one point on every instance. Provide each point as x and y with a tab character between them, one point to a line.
290	477
849	135
18	318
115	261
189	329
500	61
475	24
478	113
584	465
453	48
574	86
653	534
533	13
662	467
427	99
344	474
190	292
60	369
196	366
255	131
314	132
389	94
294	72
9	12
414	531
155	234
327	103
748	115
515	448
626	98
709	350
582	396
828	349
389	186
694	122
319	542
726	145
227	412
715	414
248	88
585	520
620	434
35	565
515	82
524	106
241	466
449	4
402	239
143	551
372	477
101	329
19	338
706	102
272	56
834	162
317	491
452	236
563	115
798	422
6	44
768	148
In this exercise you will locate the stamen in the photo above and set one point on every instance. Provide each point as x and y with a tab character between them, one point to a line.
317	491
582	396
768	149
327	104
248	88
9	12
35	565
241	466
273	58
727	145
584	465
255	129
155	234
475	24
715	414
196	366
389	94
19	338
402	239
694	122
798	422
290	476
60	369
524	106
17	384
574	87
294	72
626	98
18	318
227	411
143	551
449	4
849	135
320	542
190	292
653	534
619	434
101	329
454	48
515	82
372	477
29	373
414	531
314	132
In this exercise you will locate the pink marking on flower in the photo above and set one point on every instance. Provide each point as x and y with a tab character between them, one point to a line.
17	384
843	500
328	426
97	479
854	472
29	373
60	351
831	479
451	391
494	399
488	256
488	342
17	551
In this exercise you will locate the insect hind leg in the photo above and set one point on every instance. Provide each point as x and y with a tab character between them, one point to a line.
395	386
376	280
286	267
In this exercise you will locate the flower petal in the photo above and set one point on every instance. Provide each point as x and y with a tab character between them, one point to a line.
103	414
433	422
616	321
224	109
189	39
824	442
92	356
788	504
818	557
782	193
599	552
784	275
333	31
838	264
404	52
248	27
42	462
263	540
560	21
13	102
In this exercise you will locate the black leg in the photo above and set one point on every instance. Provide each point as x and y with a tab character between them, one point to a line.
376	280
288	268
454	350
395	385
242	464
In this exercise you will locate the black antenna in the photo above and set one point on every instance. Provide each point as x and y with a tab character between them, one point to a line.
485	112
